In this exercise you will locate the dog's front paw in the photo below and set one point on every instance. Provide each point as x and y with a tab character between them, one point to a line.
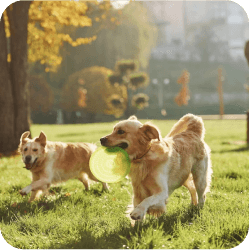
25	190
138	213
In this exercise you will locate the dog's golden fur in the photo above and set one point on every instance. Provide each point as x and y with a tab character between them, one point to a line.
160	165
53	162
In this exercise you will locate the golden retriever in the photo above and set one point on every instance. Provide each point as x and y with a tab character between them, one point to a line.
160	165
53	162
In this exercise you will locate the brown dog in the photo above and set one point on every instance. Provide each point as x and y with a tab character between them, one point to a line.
160	165
53	162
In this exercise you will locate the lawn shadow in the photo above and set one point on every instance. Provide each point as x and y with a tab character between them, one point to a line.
70	135
8	212
188	216
90	241
115	239
230	238
87	241
240	149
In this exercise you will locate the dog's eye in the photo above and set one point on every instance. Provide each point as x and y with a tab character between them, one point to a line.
120	131
35	149
25	149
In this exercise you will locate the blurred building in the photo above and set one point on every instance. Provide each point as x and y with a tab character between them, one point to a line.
184	24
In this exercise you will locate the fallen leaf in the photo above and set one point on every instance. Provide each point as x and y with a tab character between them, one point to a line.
14	204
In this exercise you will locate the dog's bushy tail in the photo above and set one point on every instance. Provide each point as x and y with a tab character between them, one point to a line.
189	122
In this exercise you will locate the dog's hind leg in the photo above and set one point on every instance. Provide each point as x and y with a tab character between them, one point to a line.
202	178
92	177
84	179
189	184
105	186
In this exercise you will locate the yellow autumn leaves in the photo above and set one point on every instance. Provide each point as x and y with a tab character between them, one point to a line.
45	29
183	96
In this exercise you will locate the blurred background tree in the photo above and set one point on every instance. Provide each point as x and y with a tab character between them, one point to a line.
246	86
102	16
207	45
52	25
98	90
126	73
183	96
35	31
90	91
246	51
119	35
127	35
41	99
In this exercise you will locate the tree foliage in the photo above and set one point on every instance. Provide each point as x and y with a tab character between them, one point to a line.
101	90
126	74
46	28
136	35
41	94
131	36
246	51
140	101
207	44
90	90
183	96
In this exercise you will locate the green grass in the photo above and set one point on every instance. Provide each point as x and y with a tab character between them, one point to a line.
74	218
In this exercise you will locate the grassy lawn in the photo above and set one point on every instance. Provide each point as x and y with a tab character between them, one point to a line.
73	218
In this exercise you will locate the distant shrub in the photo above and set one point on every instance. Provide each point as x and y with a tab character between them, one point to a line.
41	94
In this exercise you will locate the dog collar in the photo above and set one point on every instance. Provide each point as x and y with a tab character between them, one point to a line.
139	158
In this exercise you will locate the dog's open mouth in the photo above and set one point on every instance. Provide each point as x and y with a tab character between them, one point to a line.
29	166
122	145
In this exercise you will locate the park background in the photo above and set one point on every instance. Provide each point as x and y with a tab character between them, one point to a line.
89	64
162	38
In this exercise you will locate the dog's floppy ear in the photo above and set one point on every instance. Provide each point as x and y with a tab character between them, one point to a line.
42	139
150	132
133	117
24	137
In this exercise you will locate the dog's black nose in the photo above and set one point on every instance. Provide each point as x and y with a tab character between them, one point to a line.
103	140
28	158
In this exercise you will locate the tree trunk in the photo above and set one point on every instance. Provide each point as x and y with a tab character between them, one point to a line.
16	102
129	109
91	117
6	99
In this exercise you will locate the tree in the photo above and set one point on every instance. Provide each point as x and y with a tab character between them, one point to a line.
90	90
42	33
126	74
207	44
246	52
41	99
51	24
183	96
14	108
132	37
101	90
